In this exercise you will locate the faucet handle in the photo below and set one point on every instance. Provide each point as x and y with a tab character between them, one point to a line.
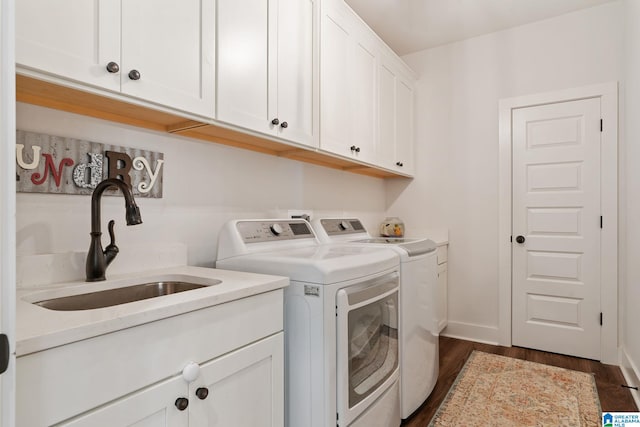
111	250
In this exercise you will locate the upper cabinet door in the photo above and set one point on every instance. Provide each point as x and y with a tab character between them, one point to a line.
168	53
395	116
387	115
349	78
297	74
266	77
335	99
161	51
75	39
363	82
405	143
246	69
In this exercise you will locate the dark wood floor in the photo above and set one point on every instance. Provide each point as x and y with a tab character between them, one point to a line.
454	353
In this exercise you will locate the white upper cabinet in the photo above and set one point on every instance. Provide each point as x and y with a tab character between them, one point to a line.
161	51
348	84
75	39
266	76
395	116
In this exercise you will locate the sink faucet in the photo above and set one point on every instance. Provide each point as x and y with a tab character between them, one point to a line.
97	259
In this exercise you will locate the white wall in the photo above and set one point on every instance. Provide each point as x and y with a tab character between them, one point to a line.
205	185
630	209
457	139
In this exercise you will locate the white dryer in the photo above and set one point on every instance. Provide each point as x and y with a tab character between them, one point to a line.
419	332
340	321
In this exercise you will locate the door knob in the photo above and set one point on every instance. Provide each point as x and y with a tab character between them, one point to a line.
202	393
182	403
113	67
520	239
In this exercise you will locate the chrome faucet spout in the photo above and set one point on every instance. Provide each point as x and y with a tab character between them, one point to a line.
98	259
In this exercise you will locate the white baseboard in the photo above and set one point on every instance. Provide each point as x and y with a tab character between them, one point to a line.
631	374
472	332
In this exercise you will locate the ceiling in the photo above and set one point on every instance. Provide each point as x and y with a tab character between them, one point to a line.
413	25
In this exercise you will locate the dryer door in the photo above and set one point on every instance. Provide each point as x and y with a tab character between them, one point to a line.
367	333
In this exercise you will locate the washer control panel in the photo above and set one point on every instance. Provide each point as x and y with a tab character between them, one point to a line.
276	230
340	226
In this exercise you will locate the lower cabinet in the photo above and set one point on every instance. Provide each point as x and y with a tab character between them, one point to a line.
217	366
219	396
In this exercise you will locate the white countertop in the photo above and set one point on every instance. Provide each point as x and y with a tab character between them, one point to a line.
38	328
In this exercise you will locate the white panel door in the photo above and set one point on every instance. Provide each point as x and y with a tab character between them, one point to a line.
335	102
171	43
243	389
154	406
556	210
247	72
70	38
404	127
363	81
296	72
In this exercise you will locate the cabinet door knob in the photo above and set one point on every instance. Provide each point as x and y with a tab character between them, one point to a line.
134	75
399	164
113	67
353	148
284	125
202	393
357	149
182	403
190	372
275	122
520	239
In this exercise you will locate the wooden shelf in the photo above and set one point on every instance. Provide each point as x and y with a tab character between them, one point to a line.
52	95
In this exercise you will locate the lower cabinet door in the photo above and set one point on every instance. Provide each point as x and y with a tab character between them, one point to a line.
154	406
242	389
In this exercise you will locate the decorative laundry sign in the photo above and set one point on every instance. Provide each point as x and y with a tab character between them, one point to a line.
60	165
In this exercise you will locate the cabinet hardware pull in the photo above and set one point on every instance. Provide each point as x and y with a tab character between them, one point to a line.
275	122
520	239
284	125
202	393
113	67
399	164
182	403
134	75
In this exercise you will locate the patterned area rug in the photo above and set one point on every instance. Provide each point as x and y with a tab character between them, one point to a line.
494	390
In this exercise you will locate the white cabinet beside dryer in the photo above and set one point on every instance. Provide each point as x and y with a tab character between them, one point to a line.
161	51
442	304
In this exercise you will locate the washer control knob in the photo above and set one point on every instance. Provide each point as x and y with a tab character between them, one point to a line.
343	225
276	229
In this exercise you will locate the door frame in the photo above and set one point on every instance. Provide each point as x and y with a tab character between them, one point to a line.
608	94
7	205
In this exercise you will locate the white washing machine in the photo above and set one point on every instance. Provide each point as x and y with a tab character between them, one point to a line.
419	332
340	321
